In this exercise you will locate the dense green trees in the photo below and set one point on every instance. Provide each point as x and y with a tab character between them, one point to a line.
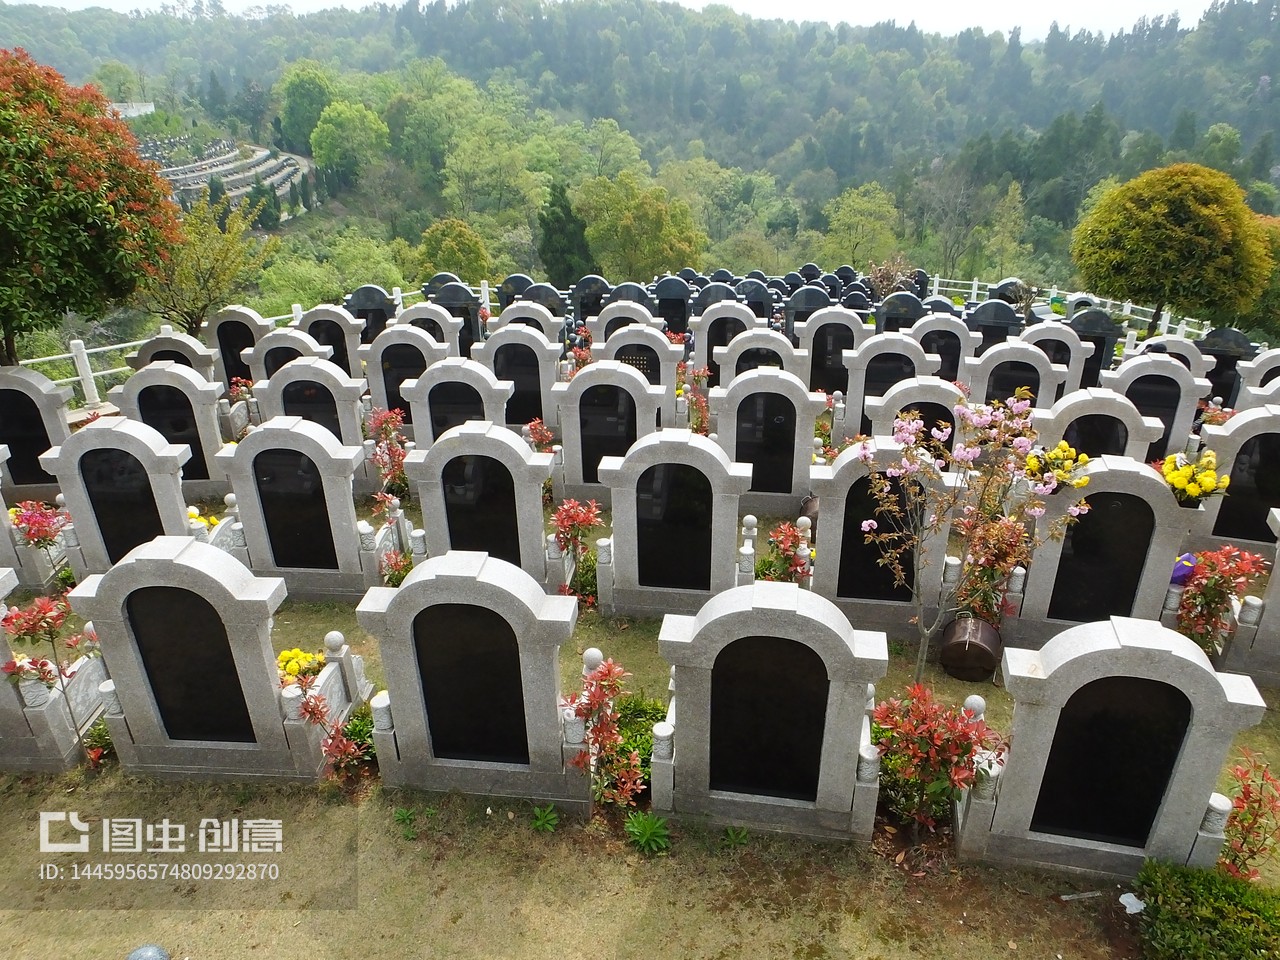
1179	236
82	219
347	138
635	232
305	91
566	257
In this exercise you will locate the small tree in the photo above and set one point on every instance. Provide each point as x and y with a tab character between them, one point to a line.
210	267
84	220
1180	236
454	246
563	247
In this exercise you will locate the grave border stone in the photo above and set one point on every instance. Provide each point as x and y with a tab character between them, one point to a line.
351	327
286	337
547	353
494	393
977	371
1051	425
450	326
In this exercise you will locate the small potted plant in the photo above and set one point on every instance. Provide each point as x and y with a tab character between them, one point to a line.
1193	479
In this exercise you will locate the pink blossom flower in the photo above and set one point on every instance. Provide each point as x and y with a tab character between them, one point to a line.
1036	512
869	525
941	434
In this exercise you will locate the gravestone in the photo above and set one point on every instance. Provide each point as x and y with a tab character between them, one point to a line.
810	272
318	391
399	354
709	296
511	288
940	304
882	361
465	627
451	392
1115	558
996	373
649	352
532	315
437	282
32	419
480	487
1186	352
803	303
211	706
436	322
177	348
933	398
1248	448
757	297
1160	386
372	306
766	419
825	336
949	339
1096	327
996	320
231	331
675	509
293	485
602	411
1228	348
1063	346
279	347
618	316
522	355
460	302
757	348
547	296
1142	710
1098	422
337	329
183	407
122	488
672	296
716	327
588	296
751	655
629	292
898	311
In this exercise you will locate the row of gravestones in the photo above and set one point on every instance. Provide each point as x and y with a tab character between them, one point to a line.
676	500
1119	729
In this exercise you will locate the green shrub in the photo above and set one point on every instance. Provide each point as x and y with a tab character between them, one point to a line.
1205	915
647	832
546	819
359	728
636	717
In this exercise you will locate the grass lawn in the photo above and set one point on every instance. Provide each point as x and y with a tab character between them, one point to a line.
457	877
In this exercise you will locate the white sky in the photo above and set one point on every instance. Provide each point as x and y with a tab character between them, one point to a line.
947	17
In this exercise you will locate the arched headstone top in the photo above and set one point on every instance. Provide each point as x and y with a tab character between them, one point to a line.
326	372
511	288
481	438
283	337
1172	346
710	294
144	443
808	298
994	312
940	304
461	576
1051	424
846	273
200	358
907	395
687	274
1060	332
721	309
369	296
521	312
767	380
461	369
721	276
945	323
1155	365
433	286
677	446
1095	322
547	296
162	373
38	387
674	288
186	563
294	433
235	314
793	613
432	350
1132	647
613	373
896	344
329	311
630	292
426	316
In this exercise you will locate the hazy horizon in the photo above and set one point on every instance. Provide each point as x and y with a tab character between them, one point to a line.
931	16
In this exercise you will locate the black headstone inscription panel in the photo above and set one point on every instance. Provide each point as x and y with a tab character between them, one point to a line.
312	401
616	324
468	656
277	357
644	359
187	658
1269	376
375	321
1103	556
607	422
946	346
757	357
453	403
767	440
167	410
234	336
430	327
826	367
1097	434
751	753
328	333
22	428
1156	396
1007	377
1056	350
519	364
673	527
886	370
862	576
934	413
1127	732
721	331
1255	489
177	356
123	503
480	507
401	362
675	313
295	511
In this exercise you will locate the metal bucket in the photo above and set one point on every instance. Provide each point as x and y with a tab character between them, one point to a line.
971	648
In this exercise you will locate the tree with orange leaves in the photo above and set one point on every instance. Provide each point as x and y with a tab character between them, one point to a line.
83	219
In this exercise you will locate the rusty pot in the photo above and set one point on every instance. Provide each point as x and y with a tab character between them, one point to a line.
971	648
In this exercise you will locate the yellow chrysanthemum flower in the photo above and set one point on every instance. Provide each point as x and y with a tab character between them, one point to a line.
1079	482
1193	489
